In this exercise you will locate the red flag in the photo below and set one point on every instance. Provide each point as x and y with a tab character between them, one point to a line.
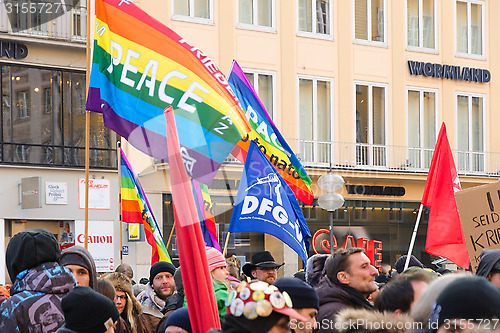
199	291
445	236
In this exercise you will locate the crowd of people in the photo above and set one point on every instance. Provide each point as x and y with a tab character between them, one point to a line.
54	291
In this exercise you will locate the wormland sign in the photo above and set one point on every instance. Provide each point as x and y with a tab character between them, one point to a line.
449	72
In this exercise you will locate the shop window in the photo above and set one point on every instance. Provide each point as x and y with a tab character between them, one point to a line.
314	18
371	123
200	11
264	85
421	17
470	125
43	120
360	214
315	119
422	114
370	21
469	28
256	14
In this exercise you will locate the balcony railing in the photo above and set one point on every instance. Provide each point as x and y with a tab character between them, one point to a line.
38	19
361	156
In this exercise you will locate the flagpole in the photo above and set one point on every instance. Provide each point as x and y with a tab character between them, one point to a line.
119	164
87	129
225	245
170	237
413	236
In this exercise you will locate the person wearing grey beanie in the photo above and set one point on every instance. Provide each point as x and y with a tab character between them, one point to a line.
81	263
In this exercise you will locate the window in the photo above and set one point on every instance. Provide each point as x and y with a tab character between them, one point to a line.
264	84
256	14
79	21
314	17
470	126
193	10
422	104
29	21
369	20
315	117
421	17
470	28
43	120
371	124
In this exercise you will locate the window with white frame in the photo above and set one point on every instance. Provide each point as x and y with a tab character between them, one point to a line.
470	129
369	20
469	27
371	124
79	21
264	85
314	17
421	23
422	113
199	10
315	117
256	13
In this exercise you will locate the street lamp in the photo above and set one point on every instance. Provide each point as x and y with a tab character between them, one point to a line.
330	201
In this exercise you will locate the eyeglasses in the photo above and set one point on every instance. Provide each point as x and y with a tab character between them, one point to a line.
122	297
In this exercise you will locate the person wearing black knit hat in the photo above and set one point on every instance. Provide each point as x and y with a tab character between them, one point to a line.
161	286
178	322
305	301
87	311
470	299
39	283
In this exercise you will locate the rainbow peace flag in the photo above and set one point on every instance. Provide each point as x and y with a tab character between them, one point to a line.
139	68
205	211
136	209
268	138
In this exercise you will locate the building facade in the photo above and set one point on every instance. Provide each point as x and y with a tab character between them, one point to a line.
359	86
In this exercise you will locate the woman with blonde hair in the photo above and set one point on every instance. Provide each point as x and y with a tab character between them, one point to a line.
128	307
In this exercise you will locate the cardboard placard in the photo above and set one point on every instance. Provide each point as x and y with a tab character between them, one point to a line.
479	210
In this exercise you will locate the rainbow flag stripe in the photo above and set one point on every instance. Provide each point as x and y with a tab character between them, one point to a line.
139	68
267	136
205	211
136	209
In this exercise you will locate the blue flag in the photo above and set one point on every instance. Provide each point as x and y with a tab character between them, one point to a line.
265	203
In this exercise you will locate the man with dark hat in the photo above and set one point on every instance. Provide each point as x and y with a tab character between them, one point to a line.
39	283
81	263
161	286
263	267
489	266
305	301
87	311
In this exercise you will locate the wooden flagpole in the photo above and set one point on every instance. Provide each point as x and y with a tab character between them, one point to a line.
170	237
225	245
119	155
87	127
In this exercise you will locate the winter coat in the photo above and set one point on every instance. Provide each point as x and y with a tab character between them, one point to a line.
171	304
35	302
151	307
367	321
333	298
488	260
65	330
315	269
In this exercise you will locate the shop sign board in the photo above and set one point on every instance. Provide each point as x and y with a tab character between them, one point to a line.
30	193
373	248
479	210
99	193
100	243
56	193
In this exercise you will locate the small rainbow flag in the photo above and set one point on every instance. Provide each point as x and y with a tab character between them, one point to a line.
268	138
205	211
139	68
136	209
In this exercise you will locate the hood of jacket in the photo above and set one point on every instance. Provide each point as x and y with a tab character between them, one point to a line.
315	269
48	278
363	320
329	292
85	256
489	258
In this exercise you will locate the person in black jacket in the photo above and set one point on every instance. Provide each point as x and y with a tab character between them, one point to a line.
489	266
